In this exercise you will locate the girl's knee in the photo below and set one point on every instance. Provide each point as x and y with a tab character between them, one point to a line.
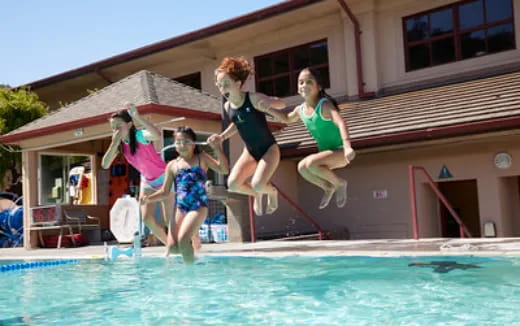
312	165
302	166
148	218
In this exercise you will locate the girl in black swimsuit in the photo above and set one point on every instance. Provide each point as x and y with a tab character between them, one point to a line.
246	111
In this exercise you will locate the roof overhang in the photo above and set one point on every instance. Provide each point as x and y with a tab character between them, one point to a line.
253	17
464	129
102	118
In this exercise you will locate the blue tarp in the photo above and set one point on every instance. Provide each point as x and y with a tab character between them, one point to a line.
11	227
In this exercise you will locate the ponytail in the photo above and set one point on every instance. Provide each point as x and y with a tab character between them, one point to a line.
323	94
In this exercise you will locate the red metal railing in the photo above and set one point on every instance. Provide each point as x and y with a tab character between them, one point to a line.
322	235
415	223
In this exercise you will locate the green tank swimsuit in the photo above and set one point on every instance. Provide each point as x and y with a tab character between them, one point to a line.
324	131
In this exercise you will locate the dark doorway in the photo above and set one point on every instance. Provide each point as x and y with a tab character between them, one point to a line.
463	197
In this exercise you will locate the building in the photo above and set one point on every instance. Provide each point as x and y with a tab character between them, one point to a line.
424	83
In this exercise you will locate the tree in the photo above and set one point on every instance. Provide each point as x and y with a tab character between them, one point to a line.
17	108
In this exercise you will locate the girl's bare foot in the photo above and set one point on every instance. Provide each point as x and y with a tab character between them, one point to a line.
272	202
341	194
257	205
327	196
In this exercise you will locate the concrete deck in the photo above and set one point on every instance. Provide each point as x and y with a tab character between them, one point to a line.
374	248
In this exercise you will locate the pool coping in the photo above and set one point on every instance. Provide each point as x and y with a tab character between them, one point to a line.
507	247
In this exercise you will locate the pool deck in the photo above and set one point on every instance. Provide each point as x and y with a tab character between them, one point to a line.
273	248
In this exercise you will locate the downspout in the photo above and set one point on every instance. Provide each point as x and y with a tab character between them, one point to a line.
359	60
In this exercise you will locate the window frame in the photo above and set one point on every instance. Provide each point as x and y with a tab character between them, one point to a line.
195	75
66	181
292	71
456	34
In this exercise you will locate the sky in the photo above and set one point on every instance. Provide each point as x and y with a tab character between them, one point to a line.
45	38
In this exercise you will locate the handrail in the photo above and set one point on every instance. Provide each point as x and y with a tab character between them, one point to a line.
415	223
322	234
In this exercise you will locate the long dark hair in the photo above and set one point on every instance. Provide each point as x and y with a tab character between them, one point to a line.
125	116
187	131
319	80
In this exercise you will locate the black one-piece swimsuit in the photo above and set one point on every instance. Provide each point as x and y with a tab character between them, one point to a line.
252	127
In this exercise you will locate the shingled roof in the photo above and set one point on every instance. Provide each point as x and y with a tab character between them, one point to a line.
141	88
475	106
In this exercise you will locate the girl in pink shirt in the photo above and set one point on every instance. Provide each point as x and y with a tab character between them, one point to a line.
137	147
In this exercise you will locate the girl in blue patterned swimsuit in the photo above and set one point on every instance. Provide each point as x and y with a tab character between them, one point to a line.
188	172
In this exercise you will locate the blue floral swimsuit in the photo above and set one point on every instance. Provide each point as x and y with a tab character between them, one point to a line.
191	189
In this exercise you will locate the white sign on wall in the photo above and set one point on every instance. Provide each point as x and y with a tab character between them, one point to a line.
380	194
78	132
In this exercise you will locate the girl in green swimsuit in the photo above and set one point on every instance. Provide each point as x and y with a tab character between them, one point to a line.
320	114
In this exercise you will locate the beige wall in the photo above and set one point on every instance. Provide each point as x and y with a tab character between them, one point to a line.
326	27
511	204
381	43
390	68
367	217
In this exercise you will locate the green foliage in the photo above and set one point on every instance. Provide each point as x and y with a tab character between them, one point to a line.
17	108
92	91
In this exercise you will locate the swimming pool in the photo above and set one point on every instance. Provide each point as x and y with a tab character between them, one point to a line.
266	291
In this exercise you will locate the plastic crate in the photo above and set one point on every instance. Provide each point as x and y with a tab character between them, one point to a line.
219	233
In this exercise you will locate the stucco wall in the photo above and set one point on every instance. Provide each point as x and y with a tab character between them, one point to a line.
390	217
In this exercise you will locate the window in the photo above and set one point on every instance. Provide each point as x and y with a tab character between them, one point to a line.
65	179
277	72
459	31
192	80
170	153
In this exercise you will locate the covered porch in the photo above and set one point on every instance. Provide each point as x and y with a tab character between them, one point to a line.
76	137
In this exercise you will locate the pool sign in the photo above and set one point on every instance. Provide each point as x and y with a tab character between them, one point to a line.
380	194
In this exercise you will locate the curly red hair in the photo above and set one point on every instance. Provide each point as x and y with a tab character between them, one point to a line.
238	68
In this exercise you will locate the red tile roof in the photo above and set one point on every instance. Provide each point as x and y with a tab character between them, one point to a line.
471	107
151	91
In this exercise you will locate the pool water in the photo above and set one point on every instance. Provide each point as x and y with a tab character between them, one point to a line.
266	291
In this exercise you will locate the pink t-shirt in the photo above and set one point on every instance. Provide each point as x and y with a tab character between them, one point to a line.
145	160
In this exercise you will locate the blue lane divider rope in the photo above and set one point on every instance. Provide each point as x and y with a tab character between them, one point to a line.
36	264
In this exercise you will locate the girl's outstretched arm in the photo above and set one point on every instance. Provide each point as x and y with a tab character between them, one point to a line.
165	190
152	133
220	164
112	150
226	134
328	109
273	106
